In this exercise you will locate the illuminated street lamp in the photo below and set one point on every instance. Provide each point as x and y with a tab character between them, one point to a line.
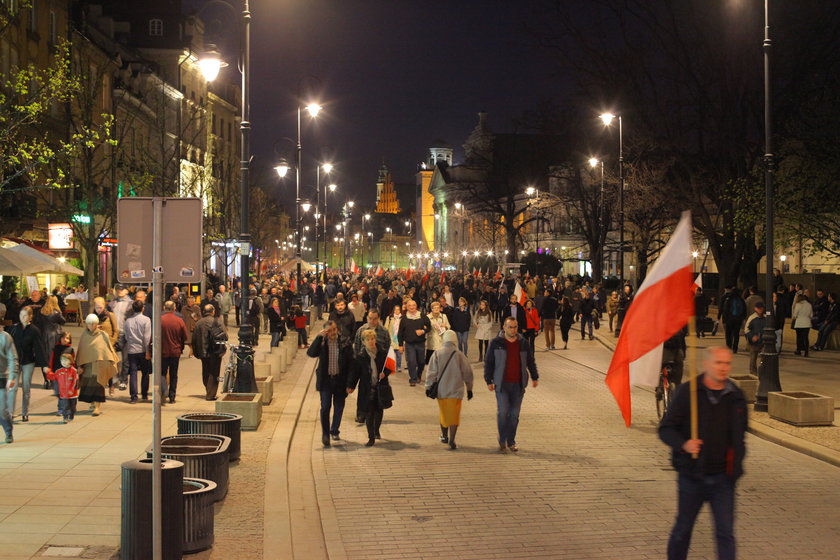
607	119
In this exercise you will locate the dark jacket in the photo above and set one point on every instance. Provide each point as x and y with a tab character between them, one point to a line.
29	345
548	309
360	375
275	321
346	324
727	312
408	328
566	314
675	428
201	336
459	320
520	316
494	362
320	349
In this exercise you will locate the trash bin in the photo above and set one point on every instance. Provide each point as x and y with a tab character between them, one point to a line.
218	423
136	525
198	514
203	456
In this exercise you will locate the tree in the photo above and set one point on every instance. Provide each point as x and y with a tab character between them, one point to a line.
686	75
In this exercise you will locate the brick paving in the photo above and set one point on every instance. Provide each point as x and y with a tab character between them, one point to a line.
582	486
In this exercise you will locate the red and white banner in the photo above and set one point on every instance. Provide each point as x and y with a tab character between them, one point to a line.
661	307
390	362
521	297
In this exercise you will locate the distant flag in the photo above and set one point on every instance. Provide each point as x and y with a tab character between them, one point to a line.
498	274
390	362
424	279
293	284
527	274
661	307
475	271
379	271
698	283
354	267
442	275
520	293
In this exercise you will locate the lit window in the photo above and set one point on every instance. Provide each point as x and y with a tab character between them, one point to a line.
156	27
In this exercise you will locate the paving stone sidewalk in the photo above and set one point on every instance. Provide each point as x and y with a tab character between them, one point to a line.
582	486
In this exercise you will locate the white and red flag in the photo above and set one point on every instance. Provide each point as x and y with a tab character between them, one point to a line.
661	307
390	362
354	267
521	297
698	283
379	271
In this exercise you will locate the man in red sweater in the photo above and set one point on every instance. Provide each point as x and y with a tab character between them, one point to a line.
173	338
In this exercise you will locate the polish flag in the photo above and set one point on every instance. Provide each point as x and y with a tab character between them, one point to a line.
520	294
354	267
442	275
390	362
498	274
424	279
662	306
379	271
475	271
698	283
293	284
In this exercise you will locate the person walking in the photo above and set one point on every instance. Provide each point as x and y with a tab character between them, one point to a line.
801	317
460	321
515	310
483	321
345	321
450	369
532	325
29	344
9	373
225	303
52	320
507	366
587	307
392	326
440	324
566	314
276	321
832	319
96	362
334	364
191	313
174	336
368	372
211	358
66	380
752	332
712	473
136	338
733	311
412	339
548	314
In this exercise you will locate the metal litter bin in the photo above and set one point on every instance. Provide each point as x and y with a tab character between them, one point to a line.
136	524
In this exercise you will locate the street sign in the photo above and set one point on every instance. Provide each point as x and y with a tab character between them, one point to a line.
181	233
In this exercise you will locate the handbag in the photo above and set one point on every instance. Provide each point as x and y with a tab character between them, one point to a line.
385	394
432	391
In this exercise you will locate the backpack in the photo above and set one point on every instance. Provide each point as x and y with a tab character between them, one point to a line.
216	338
736	307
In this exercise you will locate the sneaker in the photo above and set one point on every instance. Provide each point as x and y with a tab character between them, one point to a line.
335	437
64	420
444	439
513	448
10	439
123	387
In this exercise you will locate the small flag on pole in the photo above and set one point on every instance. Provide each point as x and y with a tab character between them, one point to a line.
390	362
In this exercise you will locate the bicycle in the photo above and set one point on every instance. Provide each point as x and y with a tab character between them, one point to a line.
664	390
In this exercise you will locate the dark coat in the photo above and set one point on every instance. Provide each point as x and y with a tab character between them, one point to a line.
320	349
675	428
346	326
460	320
275	321
360	375
520	316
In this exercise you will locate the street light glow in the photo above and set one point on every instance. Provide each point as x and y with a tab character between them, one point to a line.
332	187
530	191
327	167
305	206
694	254
457	205
313	109
593	162
463	253
282	168
211	64
351	204
607	118
366	216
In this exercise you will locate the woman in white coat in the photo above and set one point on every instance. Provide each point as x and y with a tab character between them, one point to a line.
800	320
450	368
483	321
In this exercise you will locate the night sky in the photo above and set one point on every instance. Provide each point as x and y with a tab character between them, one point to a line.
393	76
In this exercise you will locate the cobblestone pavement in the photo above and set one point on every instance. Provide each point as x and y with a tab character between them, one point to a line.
582	486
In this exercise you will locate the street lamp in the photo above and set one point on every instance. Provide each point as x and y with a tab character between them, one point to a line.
595	162
607	119
327	167
768	372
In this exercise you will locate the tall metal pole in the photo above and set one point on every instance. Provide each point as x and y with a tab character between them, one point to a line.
317	209
620	204
601	217
326	235
297	202
768	372
157	291
245	332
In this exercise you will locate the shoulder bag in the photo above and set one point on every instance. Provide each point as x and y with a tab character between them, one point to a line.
432	391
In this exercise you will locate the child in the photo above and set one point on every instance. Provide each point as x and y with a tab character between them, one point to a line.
64	342
67	381
300	326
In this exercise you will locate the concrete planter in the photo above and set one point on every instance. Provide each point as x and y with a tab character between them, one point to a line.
265	385
262	369
801	408
277	361
247	405
748	383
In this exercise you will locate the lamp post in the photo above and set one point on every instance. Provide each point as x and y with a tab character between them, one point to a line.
348	208
607	119
595	162
768	371
365	218
327	167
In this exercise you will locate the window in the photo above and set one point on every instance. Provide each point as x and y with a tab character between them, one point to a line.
33	20
53	28
215	130
156	27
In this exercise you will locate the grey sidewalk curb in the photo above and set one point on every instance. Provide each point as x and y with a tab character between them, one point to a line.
277	530
778	437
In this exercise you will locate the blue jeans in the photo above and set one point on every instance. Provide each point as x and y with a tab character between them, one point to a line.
719	491
398	355
25	384
7	400
415	356
138	362
463	338
825	331
332	397
509	402
584	319
276	337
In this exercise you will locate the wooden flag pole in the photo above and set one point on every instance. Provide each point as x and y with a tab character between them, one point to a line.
691	358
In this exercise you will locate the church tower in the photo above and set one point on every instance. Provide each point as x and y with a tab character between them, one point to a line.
386	194
440	152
